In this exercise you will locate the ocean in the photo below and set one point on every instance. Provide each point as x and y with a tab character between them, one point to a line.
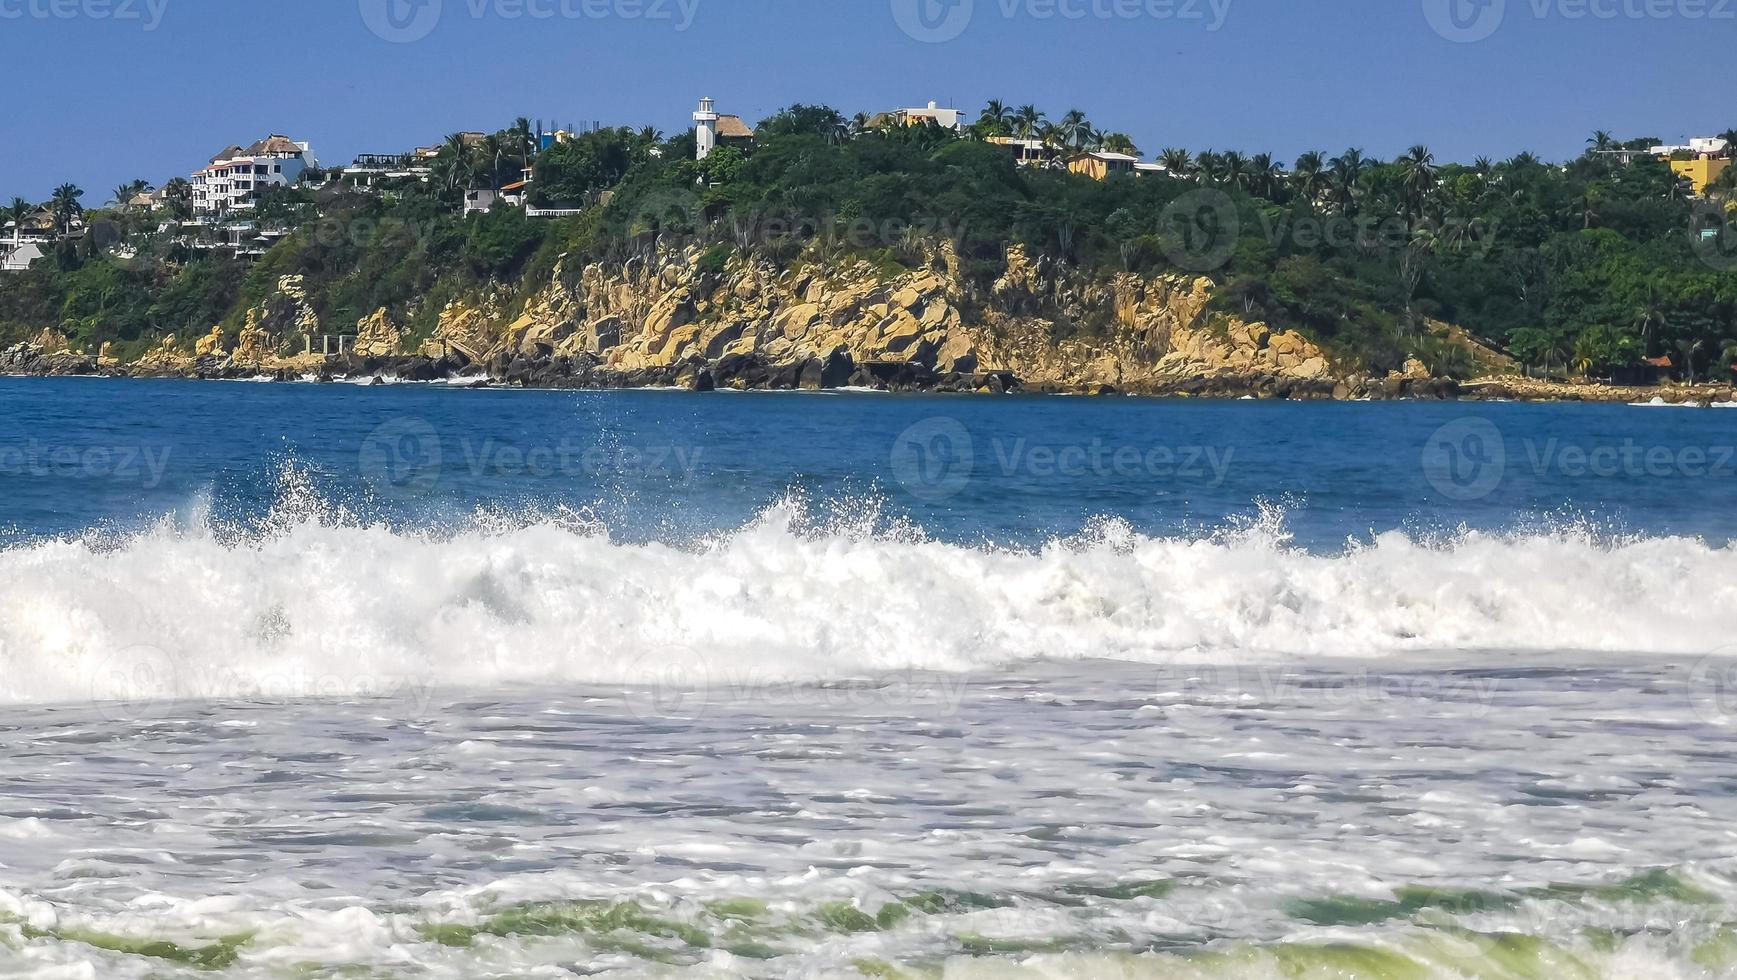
418	681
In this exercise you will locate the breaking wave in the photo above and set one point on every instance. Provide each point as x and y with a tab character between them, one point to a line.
344	605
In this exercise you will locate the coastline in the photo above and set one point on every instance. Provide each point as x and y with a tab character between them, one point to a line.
750	373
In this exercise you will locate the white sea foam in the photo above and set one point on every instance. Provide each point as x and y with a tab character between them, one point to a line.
319	603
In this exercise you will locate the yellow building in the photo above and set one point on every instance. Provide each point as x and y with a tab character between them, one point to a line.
1099	166
1701	171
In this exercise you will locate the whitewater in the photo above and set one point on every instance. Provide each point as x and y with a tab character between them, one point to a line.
797	710
311	601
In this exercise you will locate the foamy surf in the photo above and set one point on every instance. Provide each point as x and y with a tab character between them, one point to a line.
315	601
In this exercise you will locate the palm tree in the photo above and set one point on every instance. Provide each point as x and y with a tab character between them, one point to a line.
1233	169
493	148
1689	348
1264	175
457	160
1119	143
1177	162
1417	173
1602	142
1028	121
522	140
996	120
65	207
179	194
16	212
1347	170
1310	176
1074	128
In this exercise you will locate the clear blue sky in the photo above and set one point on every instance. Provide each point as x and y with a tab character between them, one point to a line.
97	99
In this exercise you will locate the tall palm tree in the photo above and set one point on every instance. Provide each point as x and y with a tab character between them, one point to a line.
1310	176
123	197
1233	169
1417	173
65	207
458	161
1074	128
996	119
1263	175
1601	141
493	148
1028	121
1177	162
522	140
1347	169
179	195
16	212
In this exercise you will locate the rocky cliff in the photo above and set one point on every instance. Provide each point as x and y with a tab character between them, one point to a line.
681	314
710	317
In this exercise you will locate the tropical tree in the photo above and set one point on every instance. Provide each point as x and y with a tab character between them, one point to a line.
996	119
1309	178
1119	143
1263	175
522	141
1417	174
16	212
1177	162
1347	172
1601	142
1028	122
179	194
1233	169
65	207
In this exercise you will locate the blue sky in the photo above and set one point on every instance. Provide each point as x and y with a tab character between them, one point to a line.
102	91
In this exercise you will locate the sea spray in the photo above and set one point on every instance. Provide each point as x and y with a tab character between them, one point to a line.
313	601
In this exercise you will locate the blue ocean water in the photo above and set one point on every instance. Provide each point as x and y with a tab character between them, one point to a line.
672	466
425	682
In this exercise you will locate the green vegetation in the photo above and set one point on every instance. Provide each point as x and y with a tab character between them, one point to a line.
1584	268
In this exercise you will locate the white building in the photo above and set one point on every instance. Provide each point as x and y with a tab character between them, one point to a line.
235	177
933	113
1706	147
17	258
712	128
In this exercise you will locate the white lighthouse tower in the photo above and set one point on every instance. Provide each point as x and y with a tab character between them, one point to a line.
706	128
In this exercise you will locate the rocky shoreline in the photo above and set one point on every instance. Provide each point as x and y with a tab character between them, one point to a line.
748	372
